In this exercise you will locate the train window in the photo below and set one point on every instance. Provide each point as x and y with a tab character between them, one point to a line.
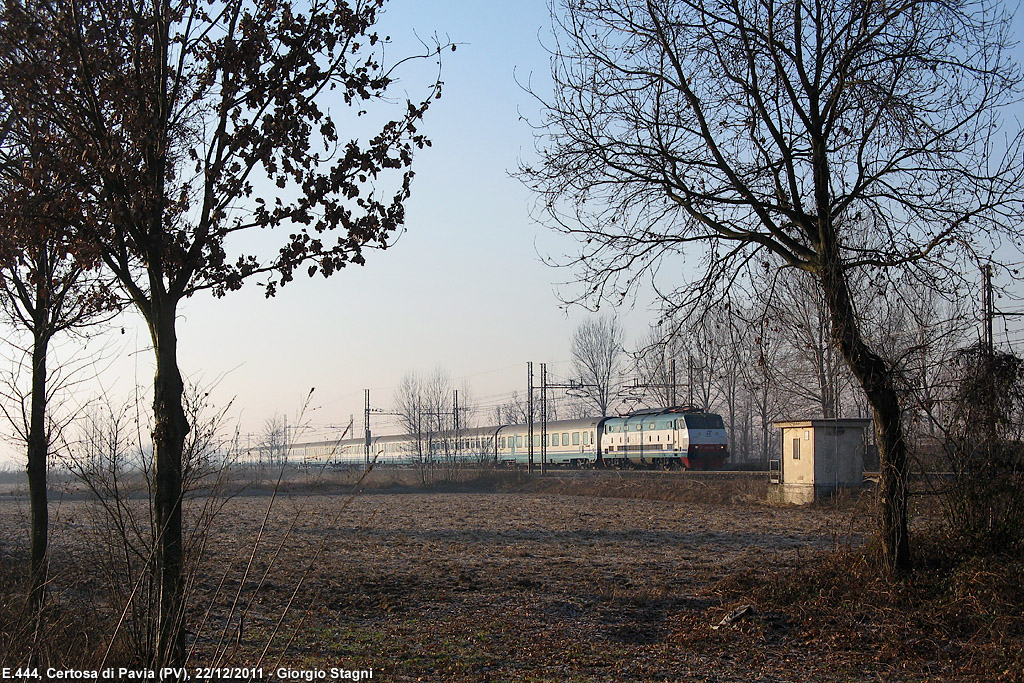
502	444
705	421
519	440
586	438
536	440
575	438
565	438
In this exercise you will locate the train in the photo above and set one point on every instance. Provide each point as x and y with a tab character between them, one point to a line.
676	437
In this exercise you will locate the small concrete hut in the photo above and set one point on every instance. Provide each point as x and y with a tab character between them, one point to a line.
819	457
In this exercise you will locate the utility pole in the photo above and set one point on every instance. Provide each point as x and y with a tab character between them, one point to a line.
988	308
529	410
689	380
544	417
366	423
988	304
987	312
544	386
672	380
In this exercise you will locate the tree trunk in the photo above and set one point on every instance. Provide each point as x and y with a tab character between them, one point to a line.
37	452
765	446
876	379
171	427
37	441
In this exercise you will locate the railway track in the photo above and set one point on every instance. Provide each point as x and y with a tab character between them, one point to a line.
641	474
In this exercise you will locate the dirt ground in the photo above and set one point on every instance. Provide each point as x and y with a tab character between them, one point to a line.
494	585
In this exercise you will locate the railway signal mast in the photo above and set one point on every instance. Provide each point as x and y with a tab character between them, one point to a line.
366	423
573	388
529	414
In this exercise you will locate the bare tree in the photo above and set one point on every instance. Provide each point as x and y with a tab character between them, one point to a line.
434	414
45	292
107	449
438	405
652	363
817	377
832	138
513	411
410	404
727	337
759	377
48	286
273	445
676	367
597	355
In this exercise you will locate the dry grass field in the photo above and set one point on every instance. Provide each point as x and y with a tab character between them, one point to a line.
596	578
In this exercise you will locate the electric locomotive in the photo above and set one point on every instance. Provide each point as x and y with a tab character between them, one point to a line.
669	437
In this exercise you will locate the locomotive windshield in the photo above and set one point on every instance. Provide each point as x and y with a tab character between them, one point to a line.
704	421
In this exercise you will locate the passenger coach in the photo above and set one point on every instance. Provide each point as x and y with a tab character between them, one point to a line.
567	442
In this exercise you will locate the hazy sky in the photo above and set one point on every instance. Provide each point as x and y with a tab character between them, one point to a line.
462	289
